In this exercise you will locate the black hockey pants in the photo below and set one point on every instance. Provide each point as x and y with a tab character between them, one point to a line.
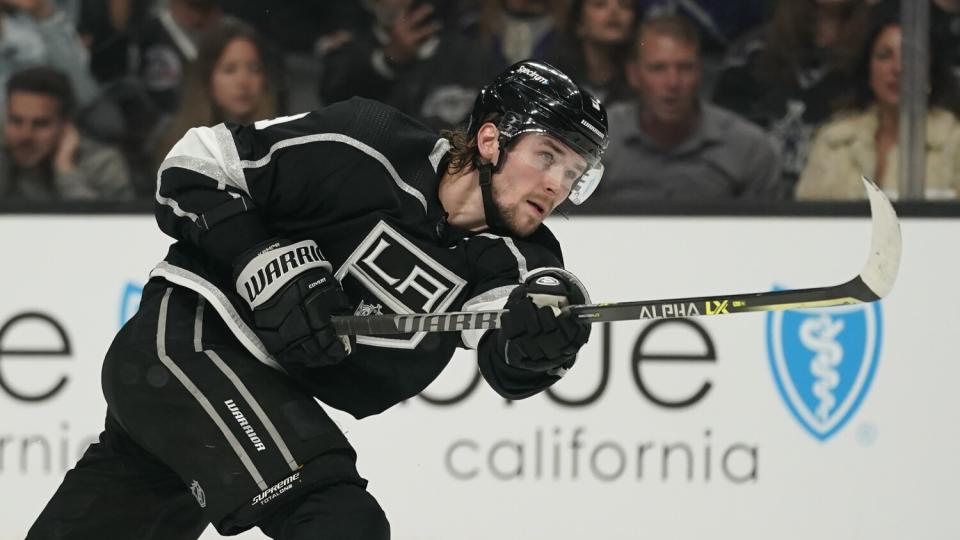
199	431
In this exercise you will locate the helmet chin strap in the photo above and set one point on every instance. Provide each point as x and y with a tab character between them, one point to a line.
491	213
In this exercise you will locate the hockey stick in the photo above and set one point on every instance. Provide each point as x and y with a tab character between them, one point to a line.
873	283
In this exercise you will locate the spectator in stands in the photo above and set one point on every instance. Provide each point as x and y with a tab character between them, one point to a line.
229	82
521	29
296	27
43	155
720	22
596	44
668	144
108	29
786	75
862	140
168	44
413	56
35	32
123	114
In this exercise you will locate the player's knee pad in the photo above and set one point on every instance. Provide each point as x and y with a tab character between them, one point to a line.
338	512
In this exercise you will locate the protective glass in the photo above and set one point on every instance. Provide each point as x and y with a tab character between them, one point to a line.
579	188
586	184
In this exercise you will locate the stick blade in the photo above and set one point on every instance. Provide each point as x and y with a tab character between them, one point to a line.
883	263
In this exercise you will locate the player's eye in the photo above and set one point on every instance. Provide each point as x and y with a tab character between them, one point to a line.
547	158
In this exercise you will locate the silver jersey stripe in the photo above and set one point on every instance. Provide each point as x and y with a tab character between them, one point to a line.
521	260
493	295
223	307
206	167
350	141
167	201
198	325
209	152
488	301
494	298
255	407
230	159
201	399
440	149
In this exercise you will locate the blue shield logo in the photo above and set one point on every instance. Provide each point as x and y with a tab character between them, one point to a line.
823	361
129	301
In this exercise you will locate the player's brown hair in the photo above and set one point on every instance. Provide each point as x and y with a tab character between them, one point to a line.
464	155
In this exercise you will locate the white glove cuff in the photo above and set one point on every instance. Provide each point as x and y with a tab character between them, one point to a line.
274	267
571	279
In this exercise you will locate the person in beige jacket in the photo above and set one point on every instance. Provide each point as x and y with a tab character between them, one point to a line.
862	140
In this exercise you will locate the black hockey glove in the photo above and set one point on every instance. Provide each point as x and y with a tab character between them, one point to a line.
292	293
534	334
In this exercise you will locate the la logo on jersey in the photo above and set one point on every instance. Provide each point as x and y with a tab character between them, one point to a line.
823	361
402	277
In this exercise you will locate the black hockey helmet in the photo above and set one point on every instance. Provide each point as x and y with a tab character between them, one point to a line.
537	97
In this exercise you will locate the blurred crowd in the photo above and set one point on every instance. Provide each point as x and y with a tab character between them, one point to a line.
707	99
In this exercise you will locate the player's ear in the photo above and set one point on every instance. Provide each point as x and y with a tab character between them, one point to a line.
488	142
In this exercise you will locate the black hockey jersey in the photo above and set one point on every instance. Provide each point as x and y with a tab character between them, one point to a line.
361	180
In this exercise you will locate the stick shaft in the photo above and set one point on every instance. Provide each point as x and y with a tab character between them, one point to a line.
852	292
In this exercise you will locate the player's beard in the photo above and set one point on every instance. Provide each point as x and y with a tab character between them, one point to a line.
509	216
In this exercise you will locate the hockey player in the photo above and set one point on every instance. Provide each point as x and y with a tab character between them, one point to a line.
352	209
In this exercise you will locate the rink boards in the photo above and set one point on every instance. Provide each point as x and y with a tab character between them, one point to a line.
840	423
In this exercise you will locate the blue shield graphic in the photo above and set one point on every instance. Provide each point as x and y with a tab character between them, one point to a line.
823	361
129	301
